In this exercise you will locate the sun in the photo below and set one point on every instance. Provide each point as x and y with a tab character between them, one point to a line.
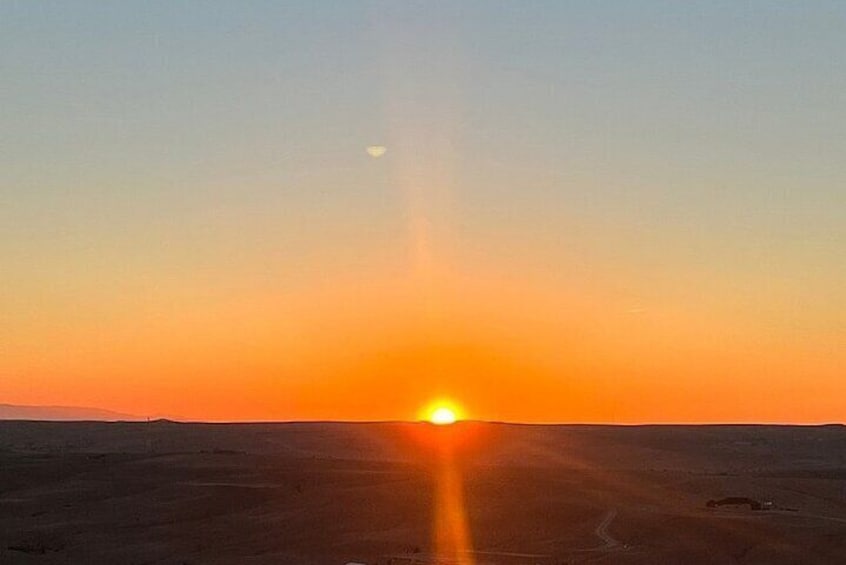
441	412
442	416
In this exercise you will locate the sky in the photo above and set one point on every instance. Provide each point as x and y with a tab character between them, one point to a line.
617	212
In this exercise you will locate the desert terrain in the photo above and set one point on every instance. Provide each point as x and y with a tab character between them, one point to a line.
337	493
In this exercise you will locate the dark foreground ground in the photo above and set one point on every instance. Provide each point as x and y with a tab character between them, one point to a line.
163	492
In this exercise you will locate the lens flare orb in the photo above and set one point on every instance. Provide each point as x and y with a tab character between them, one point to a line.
376	151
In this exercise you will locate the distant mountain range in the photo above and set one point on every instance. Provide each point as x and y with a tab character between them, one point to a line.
59	413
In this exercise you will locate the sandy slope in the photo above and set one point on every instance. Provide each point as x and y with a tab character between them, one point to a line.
331	493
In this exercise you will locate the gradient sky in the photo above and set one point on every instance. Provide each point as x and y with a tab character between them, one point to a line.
588	211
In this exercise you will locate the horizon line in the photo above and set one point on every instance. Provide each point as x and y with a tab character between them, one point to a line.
152	420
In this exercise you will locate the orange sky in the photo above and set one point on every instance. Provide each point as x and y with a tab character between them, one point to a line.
498	346
574	220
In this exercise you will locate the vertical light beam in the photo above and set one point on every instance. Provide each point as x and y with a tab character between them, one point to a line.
452	534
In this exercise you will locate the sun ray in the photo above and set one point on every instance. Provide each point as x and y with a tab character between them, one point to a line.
452	534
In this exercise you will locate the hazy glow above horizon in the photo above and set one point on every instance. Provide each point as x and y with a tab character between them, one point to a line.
553	212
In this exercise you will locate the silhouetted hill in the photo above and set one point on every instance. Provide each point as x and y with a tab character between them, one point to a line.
61	413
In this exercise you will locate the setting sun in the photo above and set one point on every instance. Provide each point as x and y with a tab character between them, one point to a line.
441	412
442	416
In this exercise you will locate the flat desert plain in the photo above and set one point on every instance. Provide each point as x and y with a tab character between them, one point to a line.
336	493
